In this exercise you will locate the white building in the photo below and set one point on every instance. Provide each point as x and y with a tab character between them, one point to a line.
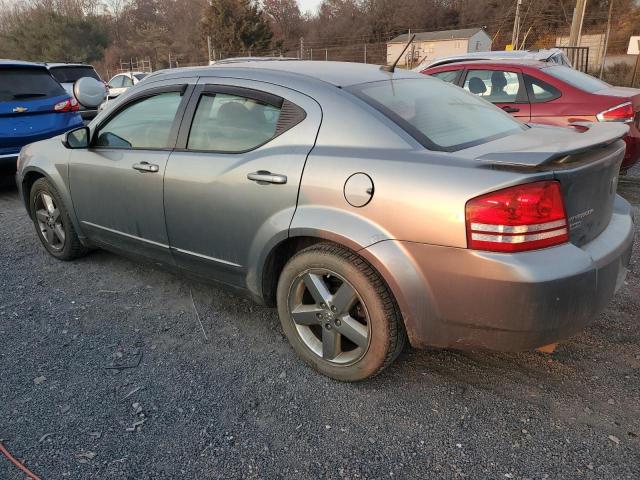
431	45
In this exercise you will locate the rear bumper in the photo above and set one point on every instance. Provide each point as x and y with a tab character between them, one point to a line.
459	298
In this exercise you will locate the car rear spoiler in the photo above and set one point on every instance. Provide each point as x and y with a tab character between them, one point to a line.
588	136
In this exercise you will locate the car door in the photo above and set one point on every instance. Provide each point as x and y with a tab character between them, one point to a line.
502	86
547	106
117	183
231	185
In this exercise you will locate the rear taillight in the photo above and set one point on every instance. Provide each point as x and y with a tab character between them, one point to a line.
516	219
68	105
619	113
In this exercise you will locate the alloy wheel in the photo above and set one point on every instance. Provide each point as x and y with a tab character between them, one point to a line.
49	221
330	317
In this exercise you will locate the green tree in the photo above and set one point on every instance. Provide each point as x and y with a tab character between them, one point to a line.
46	35
235	27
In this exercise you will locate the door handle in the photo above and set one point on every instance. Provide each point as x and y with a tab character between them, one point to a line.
146	167
511	109
263	177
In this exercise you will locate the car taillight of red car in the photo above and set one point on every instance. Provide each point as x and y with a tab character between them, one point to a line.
68	105
620	113
516	219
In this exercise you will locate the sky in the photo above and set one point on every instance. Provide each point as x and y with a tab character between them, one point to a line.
309	6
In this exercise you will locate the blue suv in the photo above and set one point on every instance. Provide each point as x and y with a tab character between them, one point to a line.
33	106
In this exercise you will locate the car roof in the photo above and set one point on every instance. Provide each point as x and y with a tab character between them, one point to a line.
339	74
520	62
19	63
250	59
128	74
58	65
523	55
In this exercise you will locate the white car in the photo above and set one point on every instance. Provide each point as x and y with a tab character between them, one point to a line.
552	55
123	81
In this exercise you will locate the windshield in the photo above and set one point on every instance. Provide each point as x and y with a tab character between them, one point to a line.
27	83
440	116
71	74
576	78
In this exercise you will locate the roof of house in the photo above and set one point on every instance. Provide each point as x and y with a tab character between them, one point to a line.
464	33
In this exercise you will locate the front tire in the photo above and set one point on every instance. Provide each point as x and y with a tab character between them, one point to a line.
338	313
52	222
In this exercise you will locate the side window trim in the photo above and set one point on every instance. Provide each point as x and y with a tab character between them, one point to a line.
522	95
185	90
209	88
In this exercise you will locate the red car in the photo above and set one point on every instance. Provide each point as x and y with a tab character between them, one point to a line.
540	92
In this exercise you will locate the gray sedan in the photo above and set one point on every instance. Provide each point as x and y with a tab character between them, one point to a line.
370	207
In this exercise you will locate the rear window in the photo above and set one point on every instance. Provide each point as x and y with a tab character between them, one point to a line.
71	74
139	76
27	83
440	116
576	78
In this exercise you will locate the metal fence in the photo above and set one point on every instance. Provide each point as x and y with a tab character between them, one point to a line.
618	69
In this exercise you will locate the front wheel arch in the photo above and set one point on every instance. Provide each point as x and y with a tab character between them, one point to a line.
27	184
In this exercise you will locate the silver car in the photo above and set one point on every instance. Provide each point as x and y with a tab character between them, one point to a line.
67	74
370	207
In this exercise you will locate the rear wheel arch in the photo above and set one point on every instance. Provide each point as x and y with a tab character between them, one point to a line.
275	261
281	253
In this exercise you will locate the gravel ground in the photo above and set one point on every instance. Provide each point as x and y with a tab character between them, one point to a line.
241	405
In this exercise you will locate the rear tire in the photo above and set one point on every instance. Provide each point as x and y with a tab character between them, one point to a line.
338	313
52	222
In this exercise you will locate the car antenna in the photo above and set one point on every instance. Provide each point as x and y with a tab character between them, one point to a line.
392	68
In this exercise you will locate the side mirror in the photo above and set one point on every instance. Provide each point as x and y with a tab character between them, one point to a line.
89	92
78	138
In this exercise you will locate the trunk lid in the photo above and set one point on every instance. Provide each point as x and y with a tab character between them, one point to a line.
586	162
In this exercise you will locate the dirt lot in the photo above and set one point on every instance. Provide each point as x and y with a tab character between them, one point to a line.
240	404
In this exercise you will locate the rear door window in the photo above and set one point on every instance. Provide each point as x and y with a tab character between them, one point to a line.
143	124
232	123
496	86
27	84
72	74
540	91
438	115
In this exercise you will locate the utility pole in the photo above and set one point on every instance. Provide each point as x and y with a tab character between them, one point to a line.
606	40
635	69
326	54
301	48
576	23
209	47
516	26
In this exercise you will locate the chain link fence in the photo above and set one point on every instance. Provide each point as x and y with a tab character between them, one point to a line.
614	65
